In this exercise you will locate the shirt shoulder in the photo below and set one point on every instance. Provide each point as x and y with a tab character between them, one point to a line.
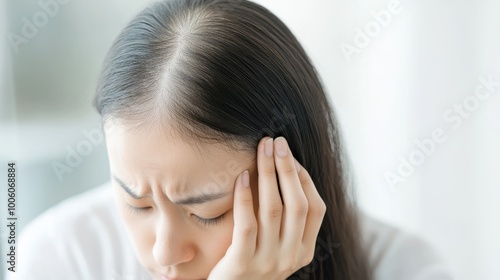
80	238
395	254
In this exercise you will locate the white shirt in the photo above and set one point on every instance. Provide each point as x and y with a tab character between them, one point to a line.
84	238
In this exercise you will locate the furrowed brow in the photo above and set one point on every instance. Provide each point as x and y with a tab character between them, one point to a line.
192	200
200	199
127	188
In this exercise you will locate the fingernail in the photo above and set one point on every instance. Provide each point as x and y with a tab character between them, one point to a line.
268	147
297	166
245	178
281	146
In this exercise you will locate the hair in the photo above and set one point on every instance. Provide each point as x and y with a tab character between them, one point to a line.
231	72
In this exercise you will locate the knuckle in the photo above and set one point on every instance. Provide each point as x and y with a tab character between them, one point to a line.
318	209
246	201
269	170
307	180
305	262
300	209
323	207
288	169
249	229
274	210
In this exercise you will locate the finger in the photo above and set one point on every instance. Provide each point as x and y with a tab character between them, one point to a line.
316	211
294	200
245	223
270	204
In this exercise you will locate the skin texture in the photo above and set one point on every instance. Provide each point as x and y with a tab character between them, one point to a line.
170	241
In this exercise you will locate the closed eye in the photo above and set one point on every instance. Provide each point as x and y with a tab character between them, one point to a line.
209	222
138	210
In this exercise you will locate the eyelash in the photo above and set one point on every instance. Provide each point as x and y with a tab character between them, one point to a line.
204	222
209	222
137	210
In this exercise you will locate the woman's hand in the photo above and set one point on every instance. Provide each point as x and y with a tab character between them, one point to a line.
281	240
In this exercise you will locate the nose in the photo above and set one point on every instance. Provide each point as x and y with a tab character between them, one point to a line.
172	245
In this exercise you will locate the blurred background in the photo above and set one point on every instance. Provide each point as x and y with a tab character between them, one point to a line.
416	86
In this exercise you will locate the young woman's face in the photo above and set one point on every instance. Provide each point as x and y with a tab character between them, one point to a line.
175	199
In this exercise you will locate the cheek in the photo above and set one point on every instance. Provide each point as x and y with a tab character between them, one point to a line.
141	237
220	240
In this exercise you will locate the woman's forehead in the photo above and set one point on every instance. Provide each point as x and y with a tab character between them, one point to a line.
153	158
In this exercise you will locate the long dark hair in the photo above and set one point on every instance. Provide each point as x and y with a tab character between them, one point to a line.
229	71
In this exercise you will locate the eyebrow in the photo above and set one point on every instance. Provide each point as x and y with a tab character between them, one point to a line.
198	199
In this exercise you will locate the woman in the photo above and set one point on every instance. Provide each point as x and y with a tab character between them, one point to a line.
226	163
